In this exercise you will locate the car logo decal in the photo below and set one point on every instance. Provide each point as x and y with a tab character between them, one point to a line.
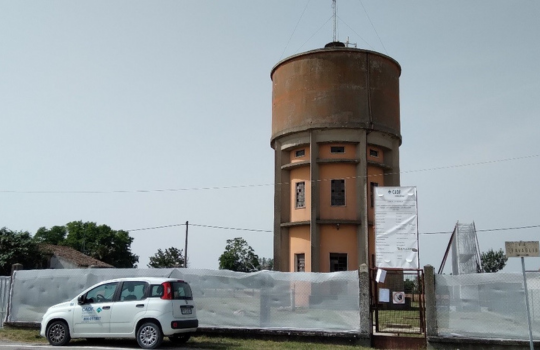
98	310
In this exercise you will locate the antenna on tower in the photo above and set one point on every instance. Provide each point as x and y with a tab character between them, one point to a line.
334	8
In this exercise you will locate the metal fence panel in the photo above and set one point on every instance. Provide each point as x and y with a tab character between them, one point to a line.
398	302
487	305
5	283
224	299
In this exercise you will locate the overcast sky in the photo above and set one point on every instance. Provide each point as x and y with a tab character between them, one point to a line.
124	98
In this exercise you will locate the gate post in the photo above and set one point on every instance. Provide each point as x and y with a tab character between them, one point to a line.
365	318
431	301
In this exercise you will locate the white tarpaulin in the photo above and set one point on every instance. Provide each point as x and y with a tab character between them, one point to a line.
326	302
396	227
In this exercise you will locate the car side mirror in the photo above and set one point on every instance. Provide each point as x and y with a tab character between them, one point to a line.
81	299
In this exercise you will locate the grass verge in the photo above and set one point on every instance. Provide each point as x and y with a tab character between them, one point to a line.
198	342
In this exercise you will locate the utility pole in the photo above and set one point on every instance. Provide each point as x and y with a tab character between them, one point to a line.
185	247
334	7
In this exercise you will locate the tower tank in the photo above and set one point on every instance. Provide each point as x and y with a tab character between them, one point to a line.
336	87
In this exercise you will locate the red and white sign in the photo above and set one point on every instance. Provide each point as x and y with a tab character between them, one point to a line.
398	297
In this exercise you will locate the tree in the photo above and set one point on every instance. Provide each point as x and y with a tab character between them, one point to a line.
18	247
171	257
266	264
102	243
493	261
55	235
239	256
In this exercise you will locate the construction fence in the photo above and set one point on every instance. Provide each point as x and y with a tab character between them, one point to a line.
5	283
487	305
325	302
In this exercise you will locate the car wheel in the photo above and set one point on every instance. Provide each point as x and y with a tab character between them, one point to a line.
180	339
149	336
58	333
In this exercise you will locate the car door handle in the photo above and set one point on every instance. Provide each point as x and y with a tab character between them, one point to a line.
106	307
139	305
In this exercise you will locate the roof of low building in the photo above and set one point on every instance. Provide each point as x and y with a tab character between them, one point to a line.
74	256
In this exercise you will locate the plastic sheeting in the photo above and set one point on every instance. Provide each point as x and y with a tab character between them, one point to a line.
224	299
487	305
465	250
5	283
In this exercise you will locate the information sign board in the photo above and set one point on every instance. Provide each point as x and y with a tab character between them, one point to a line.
522	249
396	227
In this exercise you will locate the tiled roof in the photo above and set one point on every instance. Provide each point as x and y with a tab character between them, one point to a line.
72	255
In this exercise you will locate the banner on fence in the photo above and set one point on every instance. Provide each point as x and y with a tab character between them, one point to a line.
396	227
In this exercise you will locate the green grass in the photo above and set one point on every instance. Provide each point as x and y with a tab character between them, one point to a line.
198	342
21	335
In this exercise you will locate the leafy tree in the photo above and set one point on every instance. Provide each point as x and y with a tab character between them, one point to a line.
18	247
493	261
266	264
171	257
239	256
410	285
55	235
100	242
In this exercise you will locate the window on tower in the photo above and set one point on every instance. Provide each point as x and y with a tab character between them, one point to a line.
300	262
372	186
337	149
300	153
300	194
338	262
373	153
338	192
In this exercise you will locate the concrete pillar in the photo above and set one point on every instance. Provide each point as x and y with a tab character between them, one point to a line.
315	208
431	302
364	302
391	159
281	210
16	267
362	231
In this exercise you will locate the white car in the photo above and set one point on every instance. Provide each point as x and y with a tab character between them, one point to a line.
145	308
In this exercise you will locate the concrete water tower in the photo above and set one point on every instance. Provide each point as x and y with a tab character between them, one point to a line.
336	135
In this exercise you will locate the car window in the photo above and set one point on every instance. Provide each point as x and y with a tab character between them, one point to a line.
133	290
102	293
156	291
181	290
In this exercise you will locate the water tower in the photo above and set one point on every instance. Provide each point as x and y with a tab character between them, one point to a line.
336	135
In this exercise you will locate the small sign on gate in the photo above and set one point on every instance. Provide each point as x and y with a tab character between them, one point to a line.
398	297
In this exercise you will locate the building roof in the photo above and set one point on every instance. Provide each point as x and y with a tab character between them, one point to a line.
72	255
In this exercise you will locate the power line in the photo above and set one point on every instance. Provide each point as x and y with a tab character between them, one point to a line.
295	27
356	33
259	230
268	184
231	228
486	230
373	27
155	227
321	27
199	225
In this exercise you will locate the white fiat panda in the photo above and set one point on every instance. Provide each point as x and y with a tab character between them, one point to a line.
145	308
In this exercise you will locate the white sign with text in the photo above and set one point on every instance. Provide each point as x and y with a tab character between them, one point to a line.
396	227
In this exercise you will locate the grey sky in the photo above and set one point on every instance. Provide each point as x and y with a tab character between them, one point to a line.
145	95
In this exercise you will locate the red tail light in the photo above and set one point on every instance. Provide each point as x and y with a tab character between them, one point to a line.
167	291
